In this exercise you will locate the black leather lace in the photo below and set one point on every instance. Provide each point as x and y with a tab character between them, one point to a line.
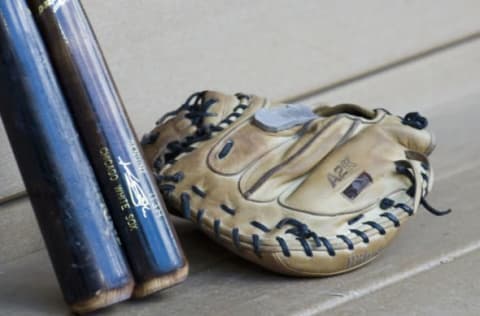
303	233
176	148
415	120
298	229
197	108
403	168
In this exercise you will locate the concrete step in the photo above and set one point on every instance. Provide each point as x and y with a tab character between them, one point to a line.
450	288
19	233
435	83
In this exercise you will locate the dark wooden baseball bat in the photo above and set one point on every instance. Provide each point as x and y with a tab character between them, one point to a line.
138	212
78	233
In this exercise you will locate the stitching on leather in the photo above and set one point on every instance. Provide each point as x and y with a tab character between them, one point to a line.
227	209
198	191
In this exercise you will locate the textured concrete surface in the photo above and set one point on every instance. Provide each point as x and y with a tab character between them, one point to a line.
448	289
19	233
428	270
9	174
419	85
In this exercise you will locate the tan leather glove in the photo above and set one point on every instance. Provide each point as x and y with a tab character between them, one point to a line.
298	191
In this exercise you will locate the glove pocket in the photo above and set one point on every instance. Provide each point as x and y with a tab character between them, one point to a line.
289	163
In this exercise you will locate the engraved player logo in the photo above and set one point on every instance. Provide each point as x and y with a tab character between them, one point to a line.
135	192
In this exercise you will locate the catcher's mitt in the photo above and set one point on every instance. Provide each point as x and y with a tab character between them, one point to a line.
298	191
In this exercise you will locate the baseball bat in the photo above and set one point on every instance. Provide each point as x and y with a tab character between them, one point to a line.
155	256
73	219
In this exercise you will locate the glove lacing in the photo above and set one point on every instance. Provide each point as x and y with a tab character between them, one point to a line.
298	228
197	109
402	168
303	232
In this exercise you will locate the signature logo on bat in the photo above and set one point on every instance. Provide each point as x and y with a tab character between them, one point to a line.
135	192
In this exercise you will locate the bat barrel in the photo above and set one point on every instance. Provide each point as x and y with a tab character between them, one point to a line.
65	196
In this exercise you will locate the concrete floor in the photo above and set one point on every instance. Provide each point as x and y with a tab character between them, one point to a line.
403	56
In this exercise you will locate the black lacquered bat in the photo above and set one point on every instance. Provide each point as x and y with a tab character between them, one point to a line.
79	235
130	192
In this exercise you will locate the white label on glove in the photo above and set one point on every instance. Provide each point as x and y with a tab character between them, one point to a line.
283	117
